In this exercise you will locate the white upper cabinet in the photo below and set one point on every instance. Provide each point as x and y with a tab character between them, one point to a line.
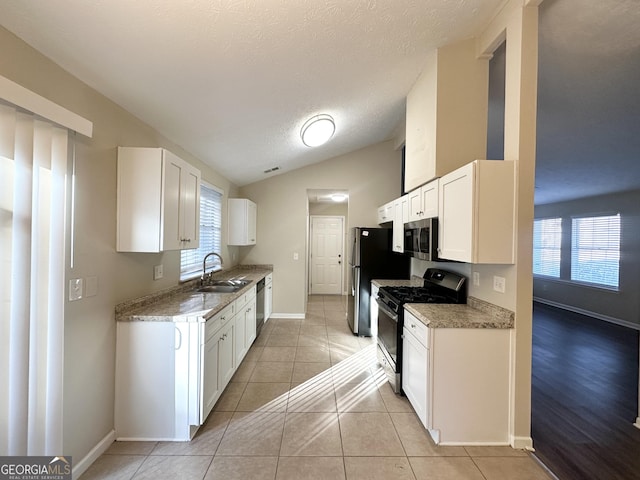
446	124
386	213
423	202
242	221
158	201
400	217
476	209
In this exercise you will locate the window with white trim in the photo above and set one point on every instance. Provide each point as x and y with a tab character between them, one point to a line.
595	250
210	233
547	242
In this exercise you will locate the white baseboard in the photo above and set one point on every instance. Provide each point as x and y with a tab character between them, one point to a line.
582	311
103	445
637	424
299	316
522	443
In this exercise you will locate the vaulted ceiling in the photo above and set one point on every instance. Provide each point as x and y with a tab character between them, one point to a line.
232	81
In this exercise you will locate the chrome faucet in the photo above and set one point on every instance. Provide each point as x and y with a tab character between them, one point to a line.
204	266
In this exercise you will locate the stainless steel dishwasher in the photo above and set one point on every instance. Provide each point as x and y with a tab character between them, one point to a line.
259	306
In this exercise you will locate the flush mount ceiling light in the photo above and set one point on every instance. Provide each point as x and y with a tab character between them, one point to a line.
338	197
317	130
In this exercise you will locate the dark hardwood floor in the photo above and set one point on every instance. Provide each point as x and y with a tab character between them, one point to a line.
584	396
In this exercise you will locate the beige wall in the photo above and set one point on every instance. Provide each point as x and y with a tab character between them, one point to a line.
517	22
89	323
372	178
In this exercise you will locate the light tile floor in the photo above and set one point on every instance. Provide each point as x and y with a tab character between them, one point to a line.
309	402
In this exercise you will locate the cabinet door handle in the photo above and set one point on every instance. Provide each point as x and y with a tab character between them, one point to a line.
178	339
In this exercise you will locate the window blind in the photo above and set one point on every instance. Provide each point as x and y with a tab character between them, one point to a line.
210	233
595	250
547	240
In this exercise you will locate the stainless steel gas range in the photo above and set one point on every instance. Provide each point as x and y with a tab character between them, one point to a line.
440	286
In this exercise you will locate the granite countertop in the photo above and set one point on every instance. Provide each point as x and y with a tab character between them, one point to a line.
184	304
407	282
475	313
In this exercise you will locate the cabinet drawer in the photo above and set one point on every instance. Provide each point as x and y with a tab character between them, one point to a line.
243	299
417	328
268	278
219	320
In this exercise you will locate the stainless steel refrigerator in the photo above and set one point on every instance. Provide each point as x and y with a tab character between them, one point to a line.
371	258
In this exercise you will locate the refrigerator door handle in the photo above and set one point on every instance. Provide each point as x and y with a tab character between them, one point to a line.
355	280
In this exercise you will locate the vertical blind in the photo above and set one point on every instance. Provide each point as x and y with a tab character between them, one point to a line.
547	240
595	249
210	233
33	205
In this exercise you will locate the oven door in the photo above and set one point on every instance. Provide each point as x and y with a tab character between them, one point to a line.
388	331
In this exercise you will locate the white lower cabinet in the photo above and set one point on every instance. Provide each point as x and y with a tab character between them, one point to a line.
268	297
457	380
415	361
226	362
245	321
169	375
211	387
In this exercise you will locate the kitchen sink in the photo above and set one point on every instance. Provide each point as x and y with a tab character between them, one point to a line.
224	286
220	288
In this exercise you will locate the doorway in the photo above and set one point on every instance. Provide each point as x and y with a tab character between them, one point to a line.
326	239
326	255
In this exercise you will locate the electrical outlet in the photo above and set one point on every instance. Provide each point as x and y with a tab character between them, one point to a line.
476	279
75	289
499	284
157	272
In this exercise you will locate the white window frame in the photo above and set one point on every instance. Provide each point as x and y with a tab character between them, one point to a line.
210	241
597	239
547	247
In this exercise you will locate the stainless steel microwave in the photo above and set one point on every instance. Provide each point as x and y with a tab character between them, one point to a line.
421	239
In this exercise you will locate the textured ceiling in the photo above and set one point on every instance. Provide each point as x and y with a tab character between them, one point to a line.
233	81
588	136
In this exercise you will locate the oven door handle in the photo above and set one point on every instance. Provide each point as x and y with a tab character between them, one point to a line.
388	311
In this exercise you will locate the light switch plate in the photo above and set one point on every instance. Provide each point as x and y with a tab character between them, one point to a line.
476	279
75	289
499	284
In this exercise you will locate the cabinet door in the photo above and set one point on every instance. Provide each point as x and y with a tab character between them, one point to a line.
225	355
190	208
414	374
429	194
242	221
170	214
415	205
456	215
211	385
252	216
250	322
401	208
268	301
240	336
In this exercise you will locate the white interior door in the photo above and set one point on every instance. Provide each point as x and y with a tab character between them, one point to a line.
327	234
